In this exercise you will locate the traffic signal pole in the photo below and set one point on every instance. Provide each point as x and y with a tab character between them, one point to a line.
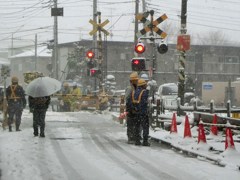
154	63
136	21
182	56
100	51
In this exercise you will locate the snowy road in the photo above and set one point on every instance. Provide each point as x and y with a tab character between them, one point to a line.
92	146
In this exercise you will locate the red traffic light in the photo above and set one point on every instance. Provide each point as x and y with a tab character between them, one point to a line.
138	64
90	54
94	72
139	48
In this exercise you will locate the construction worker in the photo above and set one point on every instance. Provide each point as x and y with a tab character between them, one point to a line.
103	100
145	77
133	79
16	102
76	93
140	106
65	98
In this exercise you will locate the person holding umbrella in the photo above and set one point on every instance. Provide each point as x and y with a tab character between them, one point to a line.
16	101
39	106
39	91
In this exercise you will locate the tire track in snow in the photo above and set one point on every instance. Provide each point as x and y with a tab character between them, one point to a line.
156	172
119	162
71	173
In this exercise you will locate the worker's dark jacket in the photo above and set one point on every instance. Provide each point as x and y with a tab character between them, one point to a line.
15	97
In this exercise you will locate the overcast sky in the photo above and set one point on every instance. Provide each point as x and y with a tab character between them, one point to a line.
23	19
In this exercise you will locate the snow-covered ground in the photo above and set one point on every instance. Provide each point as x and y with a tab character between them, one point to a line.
77	148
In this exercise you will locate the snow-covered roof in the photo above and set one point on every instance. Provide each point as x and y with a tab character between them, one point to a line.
4	61
42	51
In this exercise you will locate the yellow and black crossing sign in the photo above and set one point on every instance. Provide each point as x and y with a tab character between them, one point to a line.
97	27
151	25
143	18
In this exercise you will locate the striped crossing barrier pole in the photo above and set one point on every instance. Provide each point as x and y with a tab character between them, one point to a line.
181	76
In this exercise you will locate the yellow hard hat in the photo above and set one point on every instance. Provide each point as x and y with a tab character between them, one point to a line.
134	76
141	82
14	79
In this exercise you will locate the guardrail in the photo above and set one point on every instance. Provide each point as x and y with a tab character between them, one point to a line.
158	118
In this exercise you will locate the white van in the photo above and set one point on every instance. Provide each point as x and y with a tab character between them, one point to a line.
168	92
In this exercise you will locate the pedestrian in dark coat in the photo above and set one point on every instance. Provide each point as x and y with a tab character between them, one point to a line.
140	99
16	102
39	106
130	116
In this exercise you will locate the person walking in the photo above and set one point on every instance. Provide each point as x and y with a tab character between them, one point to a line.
130	118
65	100
16	102
140	106
39	106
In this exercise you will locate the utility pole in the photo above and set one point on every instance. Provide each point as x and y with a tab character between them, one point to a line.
182	56
12	46
136	22
95	20
35	57
55	47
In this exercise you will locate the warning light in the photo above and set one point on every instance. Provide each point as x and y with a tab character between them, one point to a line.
140	48
94	72
90	54
162	48
138	64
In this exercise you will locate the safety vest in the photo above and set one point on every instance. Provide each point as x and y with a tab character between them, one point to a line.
13	93
139	97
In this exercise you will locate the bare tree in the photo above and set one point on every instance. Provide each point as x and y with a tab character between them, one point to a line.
212	38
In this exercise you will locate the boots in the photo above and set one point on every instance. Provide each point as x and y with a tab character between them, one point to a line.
17	128
138	143
42	132
145	143
10	128
35	131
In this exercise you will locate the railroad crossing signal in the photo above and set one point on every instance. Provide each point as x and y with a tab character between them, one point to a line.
95	72
138	64
140	48
90	54
151	26
97	27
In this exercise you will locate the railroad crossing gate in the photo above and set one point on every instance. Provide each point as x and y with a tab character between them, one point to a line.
97	27
151	26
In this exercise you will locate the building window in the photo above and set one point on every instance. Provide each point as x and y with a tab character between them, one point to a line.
231	59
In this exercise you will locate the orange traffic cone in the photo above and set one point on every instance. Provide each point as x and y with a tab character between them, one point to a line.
187	129
214	128
229	139
174	124
201	134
